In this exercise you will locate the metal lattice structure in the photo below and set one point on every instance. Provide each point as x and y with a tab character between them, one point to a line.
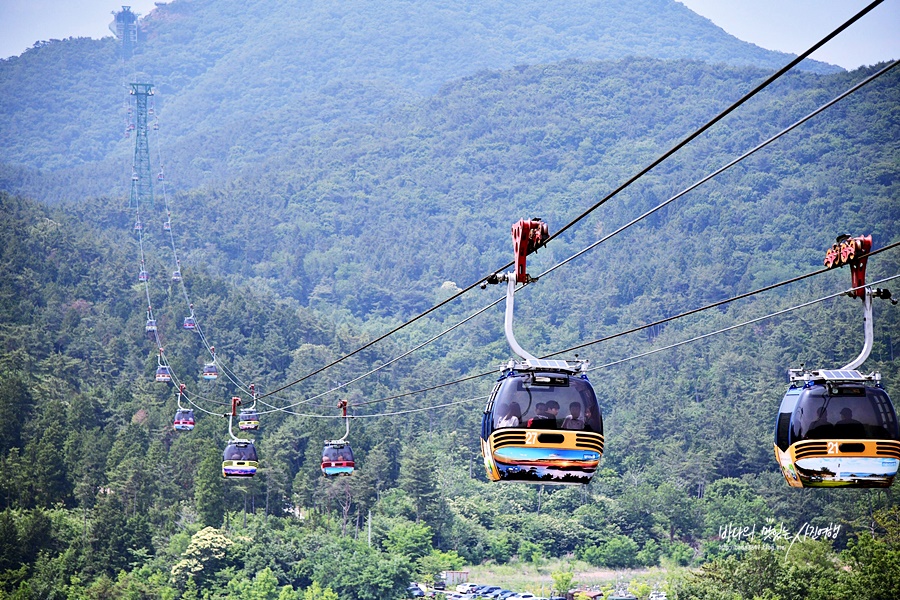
141	181
125	28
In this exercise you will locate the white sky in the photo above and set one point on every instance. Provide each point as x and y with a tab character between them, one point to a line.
786	25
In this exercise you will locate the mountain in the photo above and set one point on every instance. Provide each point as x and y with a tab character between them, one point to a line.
237	81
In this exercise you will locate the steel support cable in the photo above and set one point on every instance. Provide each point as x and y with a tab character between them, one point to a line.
690	188
389	414
721	170
230	375
744	324
609	196
383	366
633	330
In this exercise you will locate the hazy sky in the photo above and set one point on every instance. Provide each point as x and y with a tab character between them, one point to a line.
786	25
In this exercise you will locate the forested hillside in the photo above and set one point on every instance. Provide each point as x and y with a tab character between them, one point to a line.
239	81
334	170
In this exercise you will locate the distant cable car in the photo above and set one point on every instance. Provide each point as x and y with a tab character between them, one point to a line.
239	459
184	419
167	226
542	423
138	226
160	177
176	276
163	374
150	328
337	458
248	419
210	372
189	322
838	428
143	276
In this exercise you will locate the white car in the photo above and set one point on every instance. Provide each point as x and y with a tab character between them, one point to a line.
465	588
522	596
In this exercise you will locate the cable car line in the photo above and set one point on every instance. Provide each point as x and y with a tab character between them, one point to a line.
745	323
646	214
768	81
635	329
724	168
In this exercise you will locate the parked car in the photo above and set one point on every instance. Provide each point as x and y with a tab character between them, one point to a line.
523	596
414	591
466	588
440	585
487	590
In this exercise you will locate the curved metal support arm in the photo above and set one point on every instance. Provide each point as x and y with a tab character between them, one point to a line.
869	330
508	325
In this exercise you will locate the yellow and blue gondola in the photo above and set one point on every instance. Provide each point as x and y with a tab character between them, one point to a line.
542	424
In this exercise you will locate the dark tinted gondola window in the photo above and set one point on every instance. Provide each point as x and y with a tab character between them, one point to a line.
843	412
523	399
240	452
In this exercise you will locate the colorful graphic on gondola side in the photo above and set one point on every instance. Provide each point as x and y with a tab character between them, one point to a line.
840	471
545	465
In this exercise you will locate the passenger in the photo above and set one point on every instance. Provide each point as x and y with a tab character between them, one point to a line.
574	420
821	428
512	416
547	419
848	427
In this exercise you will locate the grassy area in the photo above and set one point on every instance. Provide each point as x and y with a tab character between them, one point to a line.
536	578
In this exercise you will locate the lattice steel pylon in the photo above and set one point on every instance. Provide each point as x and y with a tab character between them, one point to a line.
125	27
141	182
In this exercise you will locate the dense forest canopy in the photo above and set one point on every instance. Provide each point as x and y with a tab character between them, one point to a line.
334	170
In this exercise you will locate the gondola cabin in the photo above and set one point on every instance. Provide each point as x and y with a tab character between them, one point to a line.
837	429
210	372
184	419
143	276
542	424
248	420
337	459
150	328
176	275
239	459
163	374
189	323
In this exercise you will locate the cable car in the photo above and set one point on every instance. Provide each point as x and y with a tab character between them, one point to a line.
838	428
239	459
150	328
134	177
160	177
189	322
163	374
337	458
184	419
167	226
143	275
176	276
210	372
248	419
138	226
542	424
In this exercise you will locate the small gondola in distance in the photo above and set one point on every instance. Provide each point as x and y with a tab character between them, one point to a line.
337	458
239	459
184	420
248	420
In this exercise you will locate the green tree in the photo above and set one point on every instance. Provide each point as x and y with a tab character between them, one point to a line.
209	490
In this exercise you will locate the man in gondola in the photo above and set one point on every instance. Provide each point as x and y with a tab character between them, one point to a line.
821	428
848	427
547	418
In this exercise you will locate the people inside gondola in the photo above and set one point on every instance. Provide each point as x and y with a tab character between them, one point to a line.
848	427
545	415
574	420
821	428
512	415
